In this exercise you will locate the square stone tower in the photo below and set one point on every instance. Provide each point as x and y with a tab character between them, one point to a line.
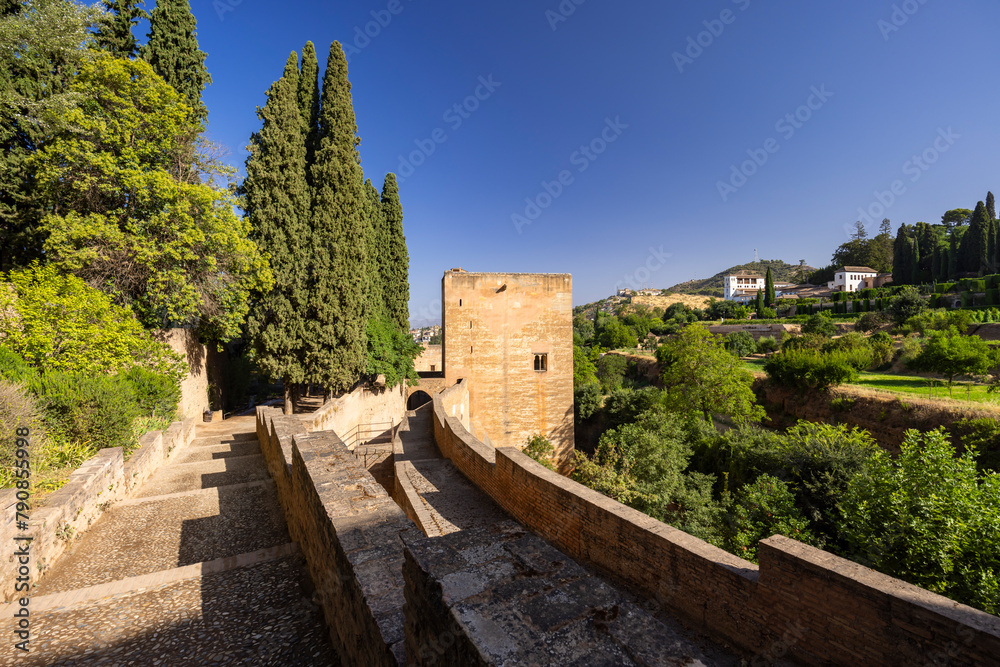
511	336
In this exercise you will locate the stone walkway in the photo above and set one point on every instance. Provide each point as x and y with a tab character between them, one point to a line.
197	569
521	600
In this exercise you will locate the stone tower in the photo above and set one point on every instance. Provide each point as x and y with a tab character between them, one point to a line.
511	336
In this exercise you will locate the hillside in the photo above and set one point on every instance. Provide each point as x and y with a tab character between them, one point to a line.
782	272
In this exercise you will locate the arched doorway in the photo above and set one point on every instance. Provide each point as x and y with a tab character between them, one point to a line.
417	399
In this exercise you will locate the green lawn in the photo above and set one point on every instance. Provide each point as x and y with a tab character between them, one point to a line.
910	384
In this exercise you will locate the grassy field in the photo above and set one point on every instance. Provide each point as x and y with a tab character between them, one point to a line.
910	384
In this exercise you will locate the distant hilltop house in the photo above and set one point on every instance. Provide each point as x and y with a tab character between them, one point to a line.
855	278
624	292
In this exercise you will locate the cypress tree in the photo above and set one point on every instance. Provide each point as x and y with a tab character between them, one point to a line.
309	98
759	303
396	267
769	295
276	201
954	253
172	50
991	208
114	35
336	324
915	259
377	238
978	239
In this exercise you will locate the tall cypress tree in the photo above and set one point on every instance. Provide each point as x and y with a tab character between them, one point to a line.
759	303
396	266
977	241
114	35
309	98
336	324
172	50
991	208
276	200
376	241
769	288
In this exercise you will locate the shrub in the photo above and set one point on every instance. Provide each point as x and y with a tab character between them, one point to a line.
981	436
848	342
98	410
767	344
819	324
907	303
812	369
882	349
540	449
762	509
155	394
17	410
586	401
15	369
741	343
807	342
910	348
871	321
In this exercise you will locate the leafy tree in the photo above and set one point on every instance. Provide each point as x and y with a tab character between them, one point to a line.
741	343
819	324
390	352
114	33
586	401
584	372
956	217
814	369
611	369
623	406
906	304
57	323
700	376
395	269
45	41
127	215
871	321
276	200
337	321
172	50
949	353
614	335
761	509
928	517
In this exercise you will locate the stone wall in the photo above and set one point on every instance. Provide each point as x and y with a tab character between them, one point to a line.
194	387
430	360
346	523
90	490
495	324
800	601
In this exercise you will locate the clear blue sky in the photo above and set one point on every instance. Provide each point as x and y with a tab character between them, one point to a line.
887	95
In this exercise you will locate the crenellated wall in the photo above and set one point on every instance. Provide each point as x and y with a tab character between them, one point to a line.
800	601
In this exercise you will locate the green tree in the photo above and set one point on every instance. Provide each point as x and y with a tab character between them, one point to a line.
761	509
336	327
759	303
950	354
396	265
611	369
928	517
906	304
114	33
769	294
614	335
741	343
124	213
819	324
57	323
309	99
976	243
45	42
276	201
172	49
700	376
956	217
541	450
991	206
584	372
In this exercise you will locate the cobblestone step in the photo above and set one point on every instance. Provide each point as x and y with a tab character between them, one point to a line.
204	474
141	538
257	615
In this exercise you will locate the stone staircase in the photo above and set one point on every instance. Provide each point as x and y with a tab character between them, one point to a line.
196	569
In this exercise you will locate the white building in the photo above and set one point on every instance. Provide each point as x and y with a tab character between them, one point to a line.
742	287
851	278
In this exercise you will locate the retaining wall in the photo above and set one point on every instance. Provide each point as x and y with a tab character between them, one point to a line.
93	487
800	601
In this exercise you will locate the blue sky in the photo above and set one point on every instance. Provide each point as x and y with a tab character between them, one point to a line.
620	121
